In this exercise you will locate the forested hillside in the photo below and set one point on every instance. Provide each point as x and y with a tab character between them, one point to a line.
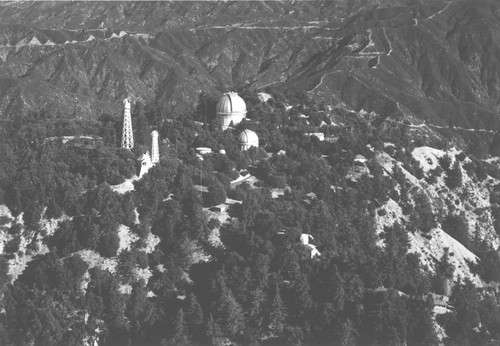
84	261
368	215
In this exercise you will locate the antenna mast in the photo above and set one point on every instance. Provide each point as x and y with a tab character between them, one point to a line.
128	135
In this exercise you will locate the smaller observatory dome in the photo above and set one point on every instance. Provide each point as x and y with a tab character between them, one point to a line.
248	139
230	108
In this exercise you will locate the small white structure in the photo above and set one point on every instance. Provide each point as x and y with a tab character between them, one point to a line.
146	163
264	97
230	109
200	188
319	135
304	239
203	150
147	160
247	139
155	151
314	251
220	208
360	159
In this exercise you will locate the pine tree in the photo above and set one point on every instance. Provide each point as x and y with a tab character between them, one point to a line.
250	208
425	218
465	299
257	302
348	333
394	258
456	226
137	302
277	315
230	314
194	315
385	319
418	280
216	193
454	176
445	162
4	273
180	337
420	324
213	333
128	208
444	273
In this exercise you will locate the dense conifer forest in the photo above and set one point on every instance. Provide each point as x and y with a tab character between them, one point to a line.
261	286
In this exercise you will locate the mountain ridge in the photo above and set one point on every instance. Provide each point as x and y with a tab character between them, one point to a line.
221	52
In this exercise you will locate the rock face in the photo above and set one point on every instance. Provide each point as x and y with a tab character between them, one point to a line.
470	201
421	60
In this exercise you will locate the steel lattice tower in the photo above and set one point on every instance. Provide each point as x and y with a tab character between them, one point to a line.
155	152
128	135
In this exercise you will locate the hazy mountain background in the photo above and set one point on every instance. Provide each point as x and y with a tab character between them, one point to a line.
434	60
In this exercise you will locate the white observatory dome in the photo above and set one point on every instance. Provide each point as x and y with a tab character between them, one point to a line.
247	139
230	108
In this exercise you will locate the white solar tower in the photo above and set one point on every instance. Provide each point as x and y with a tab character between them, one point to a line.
155	151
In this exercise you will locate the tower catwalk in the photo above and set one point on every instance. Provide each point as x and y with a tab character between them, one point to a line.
127	135
155	152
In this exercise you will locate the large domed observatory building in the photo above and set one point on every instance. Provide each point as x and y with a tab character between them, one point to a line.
248	139
230	109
